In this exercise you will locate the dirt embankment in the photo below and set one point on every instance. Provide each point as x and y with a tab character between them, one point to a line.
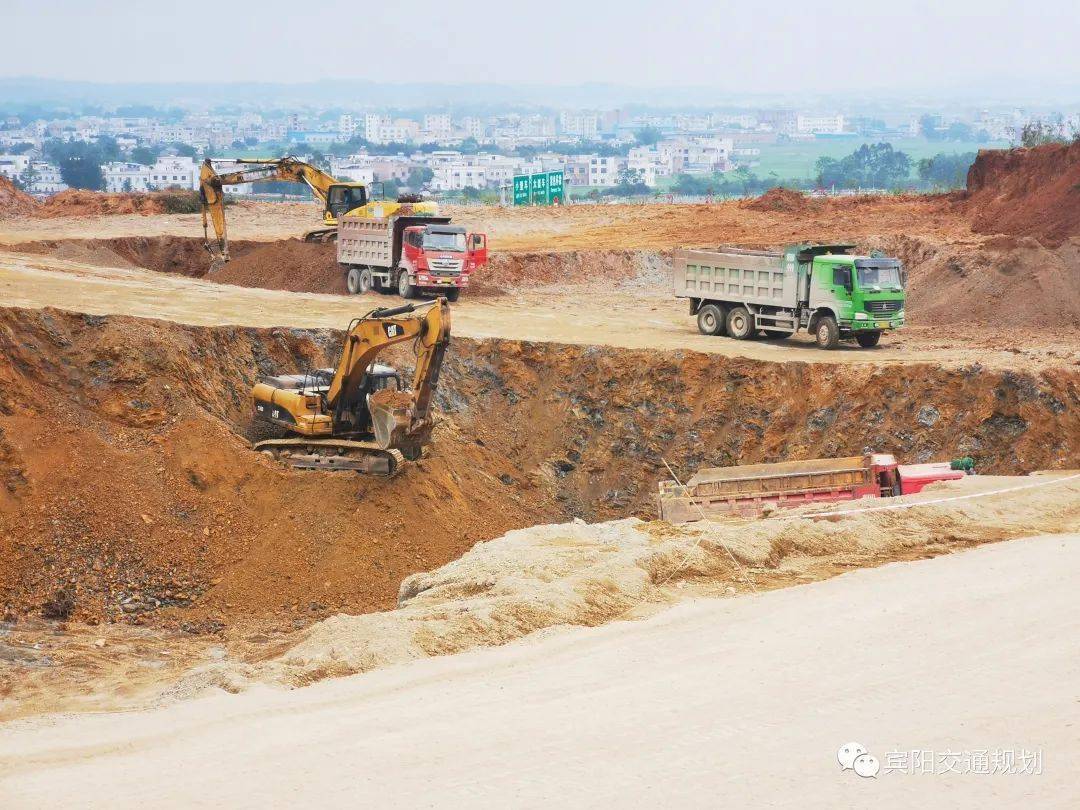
79	203
129	494
1027	192
14	202
1004	282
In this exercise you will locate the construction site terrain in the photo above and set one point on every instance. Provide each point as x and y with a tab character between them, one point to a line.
149	554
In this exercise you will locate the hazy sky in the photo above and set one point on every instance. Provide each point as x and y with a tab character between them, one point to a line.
782	45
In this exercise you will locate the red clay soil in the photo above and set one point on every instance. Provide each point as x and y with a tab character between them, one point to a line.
14	202
128	494
291	265
79	203
1027	192
783	200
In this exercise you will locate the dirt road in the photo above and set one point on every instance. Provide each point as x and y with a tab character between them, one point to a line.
629	316
747	699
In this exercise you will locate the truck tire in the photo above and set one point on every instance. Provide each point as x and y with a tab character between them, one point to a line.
452	294
366	281
352	280
868	339
404	288
740	324
827	332
711	320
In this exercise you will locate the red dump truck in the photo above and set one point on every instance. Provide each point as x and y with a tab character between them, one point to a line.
748	490
409	255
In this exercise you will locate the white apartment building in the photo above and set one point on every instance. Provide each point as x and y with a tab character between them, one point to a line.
13	166
347	125
373	124
819	124
604	171
173	172
456	176
46	178
579	124
438	124
121	176
473	127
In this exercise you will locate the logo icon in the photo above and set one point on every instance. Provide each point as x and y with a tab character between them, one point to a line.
853	756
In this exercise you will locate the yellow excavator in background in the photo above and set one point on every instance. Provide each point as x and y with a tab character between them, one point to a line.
356	416
338	197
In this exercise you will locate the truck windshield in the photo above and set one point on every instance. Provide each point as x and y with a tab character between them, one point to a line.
436	240
879	276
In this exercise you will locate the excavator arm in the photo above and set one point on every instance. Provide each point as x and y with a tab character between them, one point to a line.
401	422
262	170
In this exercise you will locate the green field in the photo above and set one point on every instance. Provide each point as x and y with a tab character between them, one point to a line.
796	160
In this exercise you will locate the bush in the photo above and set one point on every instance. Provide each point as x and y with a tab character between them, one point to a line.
180	202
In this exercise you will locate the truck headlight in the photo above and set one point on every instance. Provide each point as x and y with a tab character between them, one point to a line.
860	316
900	314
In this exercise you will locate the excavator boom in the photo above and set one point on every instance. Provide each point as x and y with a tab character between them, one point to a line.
288	169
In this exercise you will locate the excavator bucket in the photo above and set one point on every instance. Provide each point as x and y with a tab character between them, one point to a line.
395	427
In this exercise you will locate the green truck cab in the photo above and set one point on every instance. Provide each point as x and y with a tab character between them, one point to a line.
826	289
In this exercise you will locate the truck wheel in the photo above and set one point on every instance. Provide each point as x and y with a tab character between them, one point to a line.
868	339
740	324
827	332
404	288
710	320
352	280
366	282
453	294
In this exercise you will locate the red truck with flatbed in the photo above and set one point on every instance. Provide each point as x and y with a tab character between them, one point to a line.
754	488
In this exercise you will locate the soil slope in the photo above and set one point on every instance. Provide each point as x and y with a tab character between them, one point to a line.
130	493
1027	192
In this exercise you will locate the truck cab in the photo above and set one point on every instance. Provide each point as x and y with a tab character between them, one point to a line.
851	297
439	258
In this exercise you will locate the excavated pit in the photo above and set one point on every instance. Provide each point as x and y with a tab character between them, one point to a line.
131	495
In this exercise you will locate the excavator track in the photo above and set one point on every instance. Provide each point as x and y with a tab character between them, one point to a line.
333	454
321	235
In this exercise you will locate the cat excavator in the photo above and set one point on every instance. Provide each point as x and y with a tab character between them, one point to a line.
356	416
337	197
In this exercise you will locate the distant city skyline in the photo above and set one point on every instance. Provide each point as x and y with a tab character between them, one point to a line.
981	47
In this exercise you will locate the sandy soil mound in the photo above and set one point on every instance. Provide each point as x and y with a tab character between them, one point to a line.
1004	281
579	574
784	200
291	264
1027	192
15	202
80	203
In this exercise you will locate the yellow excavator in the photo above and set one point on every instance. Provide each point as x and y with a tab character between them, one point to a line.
338	197
356	416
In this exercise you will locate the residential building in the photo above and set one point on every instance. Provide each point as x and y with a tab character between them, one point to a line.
819	124
585	126
122	176
173	172
604	171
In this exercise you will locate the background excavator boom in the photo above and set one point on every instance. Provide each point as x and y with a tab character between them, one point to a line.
288	169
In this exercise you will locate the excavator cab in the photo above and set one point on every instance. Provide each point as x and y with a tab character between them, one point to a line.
342	198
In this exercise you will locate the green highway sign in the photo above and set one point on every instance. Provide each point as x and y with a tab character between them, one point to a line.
555	188
542	188
521	190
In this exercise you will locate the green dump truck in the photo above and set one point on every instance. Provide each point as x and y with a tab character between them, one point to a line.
825	289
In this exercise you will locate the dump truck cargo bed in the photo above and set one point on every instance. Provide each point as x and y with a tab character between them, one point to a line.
748	489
